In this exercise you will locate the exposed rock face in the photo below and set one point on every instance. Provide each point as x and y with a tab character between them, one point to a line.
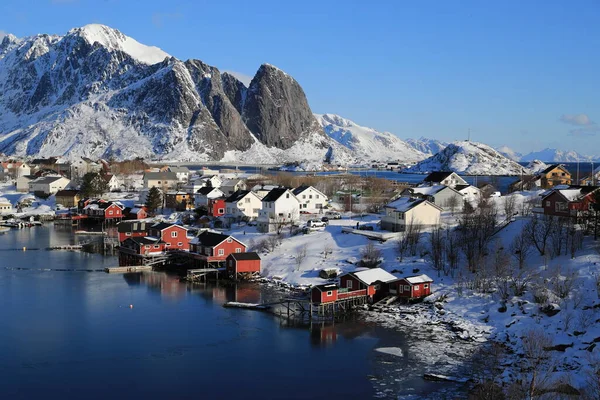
98	93
276	110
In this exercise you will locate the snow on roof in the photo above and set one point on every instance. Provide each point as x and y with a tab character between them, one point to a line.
428	190
418	279
369	276
405	203
570	194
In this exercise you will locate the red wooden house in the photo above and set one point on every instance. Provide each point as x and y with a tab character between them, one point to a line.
214	248
243	263
326	293
174	236
368	282
569	201
104	210
216	207
132	229
412	287
132	250
139	212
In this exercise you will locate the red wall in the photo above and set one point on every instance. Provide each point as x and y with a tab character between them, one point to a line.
216	205
123	236
245	266
165	235
117	212
227	248
321	297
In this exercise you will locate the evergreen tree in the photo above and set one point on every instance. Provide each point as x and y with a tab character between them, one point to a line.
93	185
153	200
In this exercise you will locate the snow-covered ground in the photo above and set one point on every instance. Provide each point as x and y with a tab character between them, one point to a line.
457	312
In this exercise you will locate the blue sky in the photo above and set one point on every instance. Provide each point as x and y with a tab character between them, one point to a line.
520	73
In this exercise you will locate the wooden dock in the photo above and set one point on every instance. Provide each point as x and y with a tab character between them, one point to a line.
249	306
201	273
123	270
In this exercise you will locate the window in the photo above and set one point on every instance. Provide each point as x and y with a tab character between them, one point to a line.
229	240
220	211
560	206
168	244
303	196
317	196
330	293
231	263
310	196
110	213
548	204
247	200
179	244
406	288
156	246
349	284
417	288
128	234
426	286
147	246
173	234
238	250
221	252
287	195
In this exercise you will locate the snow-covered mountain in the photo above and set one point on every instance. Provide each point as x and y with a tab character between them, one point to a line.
95	92
536	166
556	155
427	146
469	158
367	143
509	153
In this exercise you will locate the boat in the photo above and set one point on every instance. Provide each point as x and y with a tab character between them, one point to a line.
4	229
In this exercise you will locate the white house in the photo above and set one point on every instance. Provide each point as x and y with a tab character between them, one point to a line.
443	178
203	195
204	172
23	183
230	186
243	204
213	181
5	206
310	198
113	182
469	192
82	166
443	196
279	207
407	210
14	169
182	173
161	180
48	184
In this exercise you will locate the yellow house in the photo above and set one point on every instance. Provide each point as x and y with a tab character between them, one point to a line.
554	175
68	198
407	211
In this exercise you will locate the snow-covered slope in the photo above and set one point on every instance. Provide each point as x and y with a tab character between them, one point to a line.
367	144
427	146
556	155
469	158
95	92
536	166
509	153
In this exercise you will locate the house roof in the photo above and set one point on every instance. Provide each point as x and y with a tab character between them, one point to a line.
237	196
231	182
326	287
414	280
245	256
161	226
571	193
46	180
210	239
427	190
459	188
553	166
206	190
65	193
179	169
166	176
274	194
437	176
144	240
404	204
300	189
369	276
132	226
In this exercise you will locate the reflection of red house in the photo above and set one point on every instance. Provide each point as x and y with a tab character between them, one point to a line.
243	263
142	246
211	247
174	236
132	229
216	207
412	287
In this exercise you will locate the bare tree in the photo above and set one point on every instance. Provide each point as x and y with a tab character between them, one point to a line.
510	205
536	360
453	203
538	231
327	250
451	250
300	255
520	249
370	255
562	285
436	247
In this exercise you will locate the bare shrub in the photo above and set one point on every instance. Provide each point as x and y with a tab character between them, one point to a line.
370	255
520	249
536	360
300	255
327	250
562	285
